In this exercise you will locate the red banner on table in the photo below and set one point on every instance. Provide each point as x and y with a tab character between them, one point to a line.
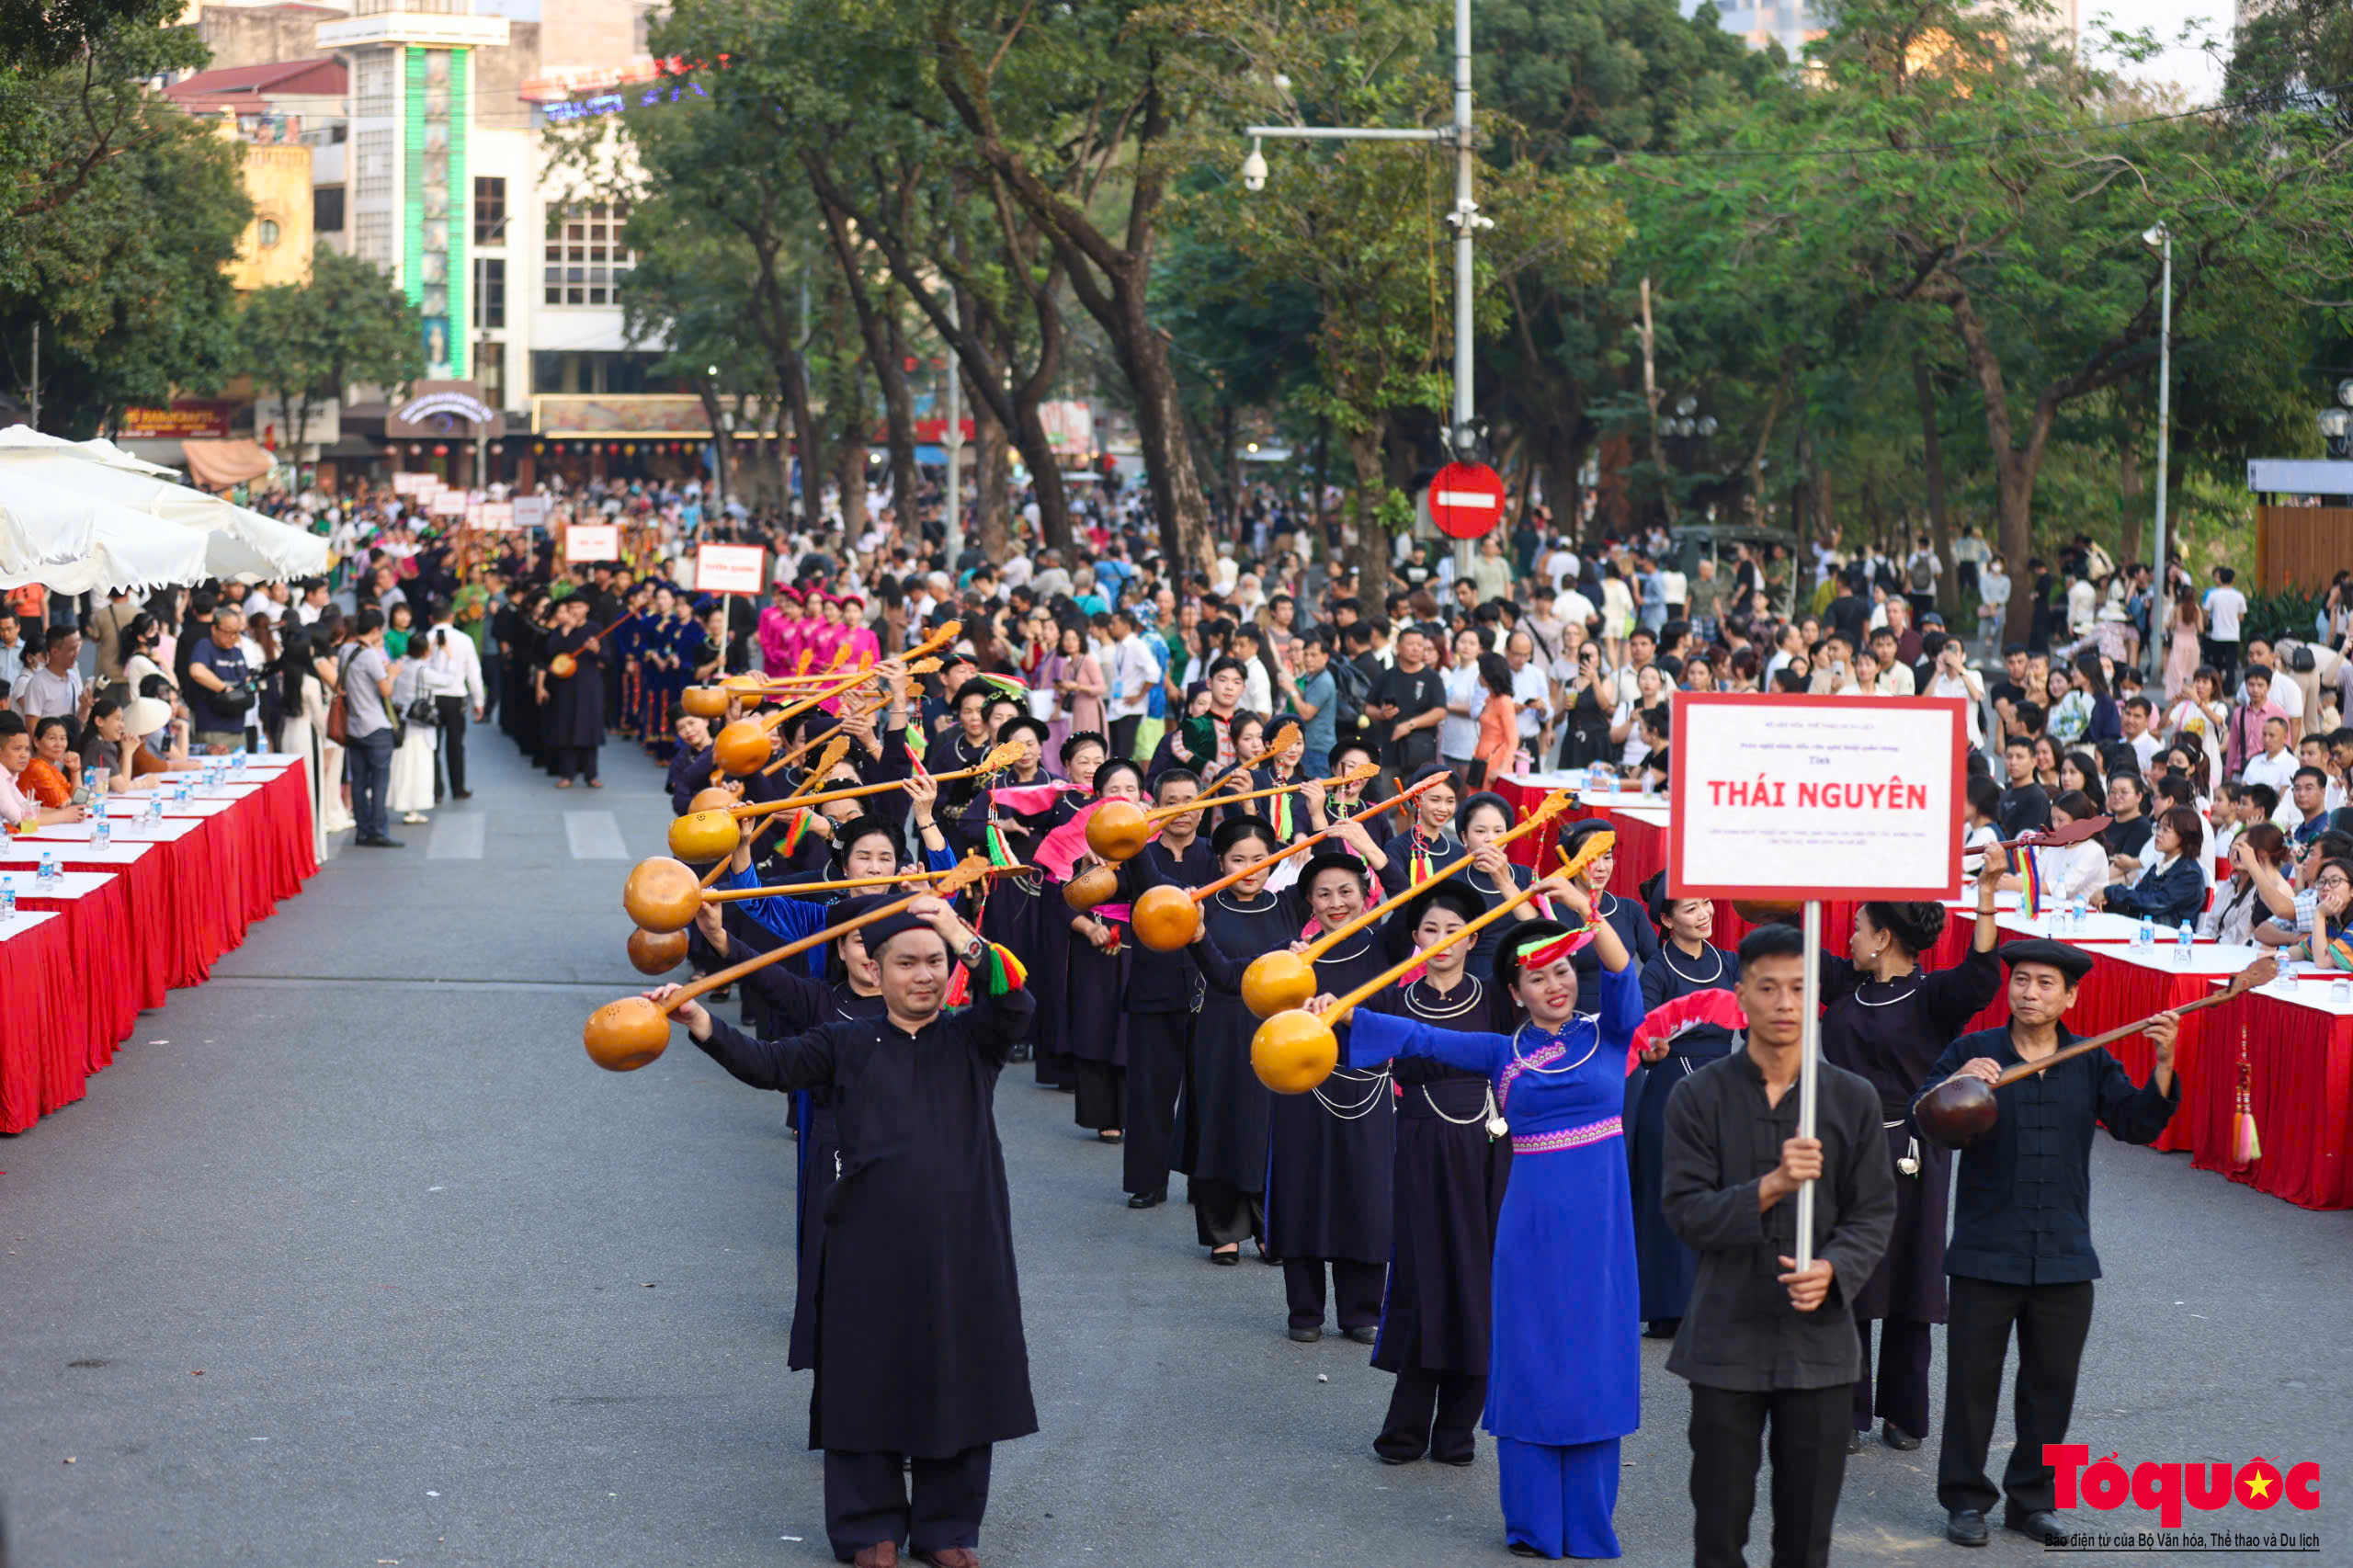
1815	797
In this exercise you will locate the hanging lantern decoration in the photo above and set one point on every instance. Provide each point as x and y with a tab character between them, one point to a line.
629	450
441	451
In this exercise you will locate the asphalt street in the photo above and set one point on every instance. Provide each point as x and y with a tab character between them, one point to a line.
352	1257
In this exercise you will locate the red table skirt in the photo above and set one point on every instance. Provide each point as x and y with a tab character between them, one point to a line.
106	1009
86	975
42	1039
2300	1080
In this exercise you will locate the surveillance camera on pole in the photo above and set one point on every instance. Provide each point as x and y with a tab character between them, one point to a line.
1253	169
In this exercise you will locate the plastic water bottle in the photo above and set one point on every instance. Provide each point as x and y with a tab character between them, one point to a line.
48	872
101	829
2148	933
2078	916
155	807
184	795
8	899
2340	993
2184	940
237	762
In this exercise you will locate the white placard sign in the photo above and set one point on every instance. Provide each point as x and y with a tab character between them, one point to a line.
531	511
1816	797
730	569
592	541
447	504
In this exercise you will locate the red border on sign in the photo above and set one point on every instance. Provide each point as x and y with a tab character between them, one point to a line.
1678	812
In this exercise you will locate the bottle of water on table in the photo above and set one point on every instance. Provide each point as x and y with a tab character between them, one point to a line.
7	898
101	828
48	872
2147	937
2184	939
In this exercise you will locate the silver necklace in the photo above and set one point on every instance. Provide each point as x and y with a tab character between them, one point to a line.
1667	953
1527	1066
1497	1125
1252	908
1378	1082
1471	999
1862	1001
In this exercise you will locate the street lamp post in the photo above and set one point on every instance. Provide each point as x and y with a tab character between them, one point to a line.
2160	238
1462	431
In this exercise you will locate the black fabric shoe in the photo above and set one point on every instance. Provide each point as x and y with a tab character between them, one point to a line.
1148	1199
1966	1527
1896	1438
1306	1335
2042	1524
1662	1328
1363	1333
1854	1441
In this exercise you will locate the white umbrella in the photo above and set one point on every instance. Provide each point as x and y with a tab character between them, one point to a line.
235	542
112	546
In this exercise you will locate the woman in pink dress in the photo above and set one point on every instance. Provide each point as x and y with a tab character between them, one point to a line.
2182	657
865	648
1078	688
780	633
825	631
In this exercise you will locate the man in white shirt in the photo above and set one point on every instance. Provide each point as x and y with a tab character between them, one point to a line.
2225	606
315	599
1134	673
2276	765
1531	689
452	677
52	688
2139	714
1458	734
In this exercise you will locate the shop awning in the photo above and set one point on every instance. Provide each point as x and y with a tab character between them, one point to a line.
218	465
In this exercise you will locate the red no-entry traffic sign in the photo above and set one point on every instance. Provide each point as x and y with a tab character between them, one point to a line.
1466	500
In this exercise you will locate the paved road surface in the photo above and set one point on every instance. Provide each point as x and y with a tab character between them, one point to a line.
457	1298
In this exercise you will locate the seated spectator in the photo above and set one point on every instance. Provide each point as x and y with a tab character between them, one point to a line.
48	777
17	807
159	724
2173	889
2238	907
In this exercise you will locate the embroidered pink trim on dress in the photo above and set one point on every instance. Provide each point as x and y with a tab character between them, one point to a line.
1568	1137
1552	1052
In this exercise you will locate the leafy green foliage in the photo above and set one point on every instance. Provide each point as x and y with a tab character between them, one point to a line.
305	342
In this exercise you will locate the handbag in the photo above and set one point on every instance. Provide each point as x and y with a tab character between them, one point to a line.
422	710
234	698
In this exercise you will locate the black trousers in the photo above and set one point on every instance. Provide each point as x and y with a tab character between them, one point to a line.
1433	1412
1902	1386
1123	736
1157	1045
1357	1286
1809	1444
1102	1094
569	760
2052	1321
451	753
867	1501
1224	1214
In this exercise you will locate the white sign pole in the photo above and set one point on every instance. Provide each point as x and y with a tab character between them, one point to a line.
1809	1059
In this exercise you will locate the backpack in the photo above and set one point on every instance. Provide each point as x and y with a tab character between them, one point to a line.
1350	687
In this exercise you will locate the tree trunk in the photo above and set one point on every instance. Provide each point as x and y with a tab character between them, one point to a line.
991	477
1933	472
2014	469
1649	401
1177	497
899	416
850	475
1366	459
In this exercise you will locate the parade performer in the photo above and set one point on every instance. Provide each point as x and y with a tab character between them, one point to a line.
1563	1361
2021	1250
574	704
1452	1170
1754	1356
1688	964
1427	842
1164	993
921	1361
1224	1152
1886	1018
1099	956
1331	1151
1483	818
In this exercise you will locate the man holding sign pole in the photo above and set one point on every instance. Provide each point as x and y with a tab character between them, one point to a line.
1788	1226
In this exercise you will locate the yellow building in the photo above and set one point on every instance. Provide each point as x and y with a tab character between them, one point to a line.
263	108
